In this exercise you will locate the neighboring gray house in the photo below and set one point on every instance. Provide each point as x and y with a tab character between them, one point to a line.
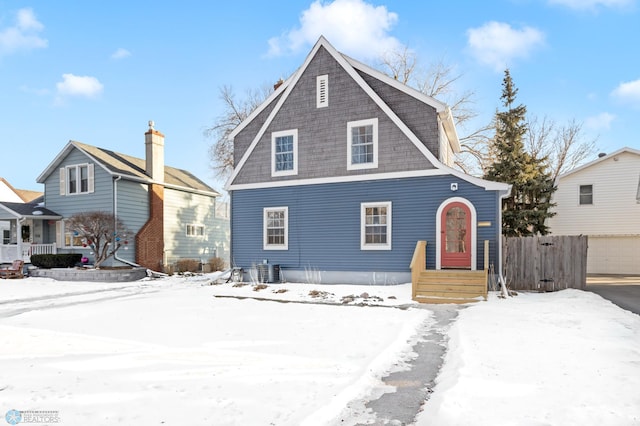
343	170
171	213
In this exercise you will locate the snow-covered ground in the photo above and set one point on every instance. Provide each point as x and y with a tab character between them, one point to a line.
181	350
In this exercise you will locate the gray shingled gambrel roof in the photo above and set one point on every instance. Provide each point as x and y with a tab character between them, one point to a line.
124	165
28	210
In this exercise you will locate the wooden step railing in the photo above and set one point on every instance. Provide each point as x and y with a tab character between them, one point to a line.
447	285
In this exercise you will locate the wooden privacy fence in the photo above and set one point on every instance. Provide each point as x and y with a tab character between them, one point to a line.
547	263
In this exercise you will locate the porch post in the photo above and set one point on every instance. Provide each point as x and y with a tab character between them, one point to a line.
19	238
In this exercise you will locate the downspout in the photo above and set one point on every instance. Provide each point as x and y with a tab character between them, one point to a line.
503	282
115	220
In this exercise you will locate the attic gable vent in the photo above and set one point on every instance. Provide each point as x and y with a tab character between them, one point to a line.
322	90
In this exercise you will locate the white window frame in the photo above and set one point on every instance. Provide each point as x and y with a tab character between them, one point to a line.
64	233
265	221
274	136
322	91
194	230
363	226
361	123
65	181
580	203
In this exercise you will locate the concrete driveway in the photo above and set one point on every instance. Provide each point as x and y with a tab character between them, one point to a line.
623	290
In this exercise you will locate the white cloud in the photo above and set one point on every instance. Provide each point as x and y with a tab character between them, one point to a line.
74	85
592	4
601	121
352	26
23	35
497	44
120	54
628	92
27	21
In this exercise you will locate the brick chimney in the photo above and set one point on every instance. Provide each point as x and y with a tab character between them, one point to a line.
150	238
154	148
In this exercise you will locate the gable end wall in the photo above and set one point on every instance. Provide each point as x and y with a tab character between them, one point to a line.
322	132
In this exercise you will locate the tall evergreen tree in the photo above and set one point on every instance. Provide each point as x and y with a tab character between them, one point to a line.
524	212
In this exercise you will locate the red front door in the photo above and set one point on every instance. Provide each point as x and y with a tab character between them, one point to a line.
455	237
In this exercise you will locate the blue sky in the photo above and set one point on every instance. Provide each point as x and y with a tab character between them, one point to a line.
97	72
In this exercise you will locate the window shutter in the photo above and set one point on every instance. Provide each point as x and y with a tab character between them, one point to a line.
63	183
59	234
91	179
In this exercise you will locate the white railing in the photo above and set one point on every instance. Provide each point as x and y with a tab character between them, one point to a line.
9	252
41	249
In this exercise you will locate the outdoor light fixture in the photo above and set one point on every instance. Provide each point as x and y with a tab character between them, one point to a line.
454	186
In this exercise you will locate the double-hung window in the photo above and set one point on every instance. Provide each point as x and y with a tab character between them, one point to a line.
586	194
362	148
70	238
284	153
375	226
76	179
276	223
195	230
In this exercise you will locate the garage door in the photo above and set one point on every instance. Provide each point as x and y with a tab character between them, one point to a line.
613	255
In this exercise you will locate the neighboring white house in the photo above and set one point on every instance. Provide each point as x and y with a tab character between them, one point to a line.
601	199
12	195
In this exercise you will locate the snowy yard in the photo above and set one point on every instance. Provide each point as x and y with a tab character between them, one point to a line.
170	352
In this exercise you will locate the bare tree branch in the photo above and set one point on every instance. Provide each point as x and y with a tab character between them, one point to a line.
101	231
401	64
563	146
235	112
438	81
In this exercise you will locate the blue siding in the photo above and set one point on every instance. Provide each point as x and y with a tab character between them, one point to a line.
66	205
324	223
132	201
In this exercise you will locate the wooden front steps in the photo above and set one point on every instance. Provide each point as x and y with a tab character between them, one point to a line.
450	286
446	285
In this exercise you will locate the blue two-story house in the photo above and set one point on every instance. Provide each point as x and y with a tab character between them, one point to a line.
343	169
170	213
